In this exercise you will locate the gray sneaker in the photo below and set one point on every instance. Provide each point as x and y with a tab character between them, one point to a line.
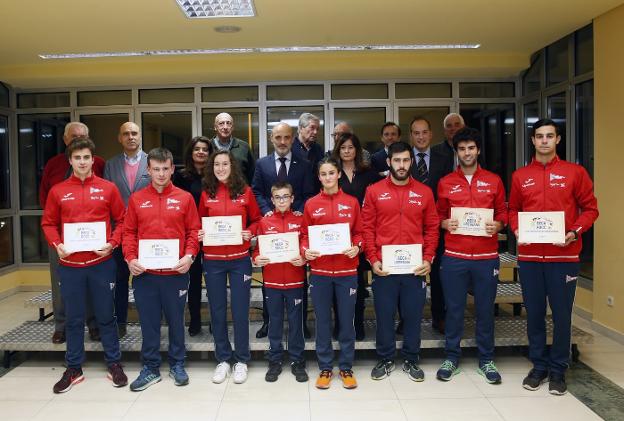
382	369
413	371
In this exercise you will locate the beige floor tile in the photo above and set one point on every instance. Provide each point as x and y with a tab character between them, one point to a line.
198	389
274	410
26	388
369	410
566	408
368	389
171	410
511	386
257	389
477	409
20	410
80	411
459	387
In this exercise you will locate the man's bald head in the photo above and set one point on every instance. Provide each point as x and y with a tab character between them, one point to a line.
224	126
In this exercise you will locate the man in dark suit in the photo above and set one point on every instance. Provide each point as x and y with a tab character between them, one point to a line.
282	165
390	133
128	171
453	122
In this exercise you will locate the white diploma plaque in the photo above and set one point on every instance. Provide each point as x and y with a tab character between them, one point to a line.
85	236
222	230
279	248
159	254
402	258
472	220
541	227
329	238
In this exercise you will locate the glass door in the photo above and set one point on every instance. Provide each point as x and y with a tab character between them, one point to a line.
104	129
365	119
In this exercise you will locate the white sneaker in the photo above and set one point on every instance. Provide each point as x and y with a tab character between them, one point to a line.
240	373
221	372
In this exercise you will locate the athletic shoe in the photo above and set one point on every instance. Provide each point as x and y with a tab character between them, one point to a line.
298	369
382	369
239	374
221	372
490	372
534	379
447	370
117	375
275	369
58	337
178	374
146	378
348	380
557	384
324	379
71	376
413	371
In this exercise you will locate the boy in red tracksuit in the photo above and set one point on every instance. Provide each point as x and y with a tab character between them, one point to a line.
284	283
85	198
549	271
470	261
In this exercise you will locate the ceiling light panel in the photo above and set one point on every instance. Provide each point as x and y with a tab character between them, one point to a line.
204	9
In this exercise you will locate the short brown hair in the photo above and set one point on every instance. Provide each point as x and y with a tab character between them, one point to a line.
78	144
278	185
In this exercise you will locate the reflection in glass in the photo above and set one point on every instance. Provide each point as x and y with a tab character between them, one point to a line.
34	245
295	92
4	96
584	43
556	107
246	125
165	96
366	124
170	130
5	167
531	80
435	115
104	130
422	90
291	115
487	90
43	100
530	112
6	242
585	156
99	98
359	91
557	62
230	93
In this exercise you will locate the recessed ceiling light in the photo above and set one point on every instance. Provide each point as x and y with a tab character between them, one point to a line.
204	9
227	29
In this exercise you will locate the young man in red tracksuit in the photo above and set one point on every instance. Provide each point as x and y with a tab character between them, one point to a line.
399	210
549	271
84	198
470	261
161	211
284	283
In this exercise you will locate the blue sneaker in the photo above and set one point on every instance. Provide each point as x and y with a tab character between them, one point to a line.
146	378
178	374
447	370
490	372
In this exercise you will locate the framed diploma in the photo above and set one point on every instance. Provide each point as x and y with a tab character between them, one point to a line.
402	258
541	227
222	230
159	254
472	220
330	238
279	248
84	236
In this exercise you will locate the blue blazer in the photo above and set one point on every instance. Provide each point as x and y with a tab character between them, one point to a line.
114	171
378	161
299	176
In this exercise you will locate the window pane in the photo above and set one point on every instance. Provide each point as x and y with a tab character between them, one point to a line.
246	125
230	93
94	98
164	96
43	100
531	115
4	96
103	130
557	62
5	159
585	157
40	137
531	80
487	90
366	124
6	242
557	111
295	92
34	245
423	90
435	115
369	91
171	130
584	57
291	115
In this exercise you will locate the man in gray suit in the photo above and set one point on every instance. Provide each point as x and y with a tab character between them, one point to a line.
128	171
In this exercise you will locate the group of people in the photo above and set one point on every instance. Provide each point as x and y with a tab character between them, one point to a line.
401	195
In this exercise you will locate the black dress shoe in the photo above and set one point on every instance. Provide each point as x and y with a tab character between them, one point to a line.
263	331
94	334
58	337
399	328
194	330
121	331
306	332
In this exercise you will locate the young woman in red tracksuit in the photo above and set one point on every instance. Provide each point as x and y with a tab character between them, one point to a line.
333	274
227	194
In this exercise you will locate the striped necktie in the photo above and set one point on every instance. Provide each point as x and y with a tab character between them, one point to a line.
421	168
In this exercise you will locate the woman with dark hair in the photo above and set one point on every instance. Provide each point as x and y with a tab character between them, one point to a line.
189	178
333	275
227	194
356	177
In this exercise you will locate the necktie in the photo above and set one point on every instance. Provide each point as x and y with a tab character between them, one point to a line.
281	174
421	168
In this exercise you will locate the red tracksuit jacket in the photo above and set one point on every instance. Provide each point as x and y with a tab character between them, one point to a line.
72	200
399	215
556	186
168	215
244	205
281	275
485	191
332	209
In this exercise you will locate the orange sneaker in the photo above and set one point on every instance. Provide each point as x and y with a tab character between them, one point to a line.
348	381
324	379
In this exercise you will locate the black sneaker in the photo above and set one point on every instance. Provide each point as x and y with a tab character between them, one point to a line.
382	369
557	384
413	371
71	376
447	370
298	369
275	369
117	375
534	379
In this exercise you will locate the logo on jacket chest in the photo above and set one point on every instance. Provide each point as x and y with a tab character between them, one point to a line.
68	196
146	204
318	212
384	196
556	180
342	208
173	204
528	183
456	189
413	198
293	226
481	184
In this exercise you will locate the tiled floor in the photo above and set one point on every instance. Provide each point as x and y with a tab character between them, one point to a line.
25	392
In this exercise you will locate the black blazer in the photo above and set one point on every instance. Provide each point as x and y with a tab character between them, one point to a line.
439	166
357	186
378	160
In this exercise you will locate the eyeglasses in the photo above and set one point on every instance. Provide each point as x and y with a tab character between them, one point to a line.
282	198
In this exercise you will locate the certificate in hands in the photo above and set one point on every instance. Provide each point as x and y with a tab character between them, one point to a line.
159	254
279	248
84	236
329	238
222	230
472	220
401	258
541	227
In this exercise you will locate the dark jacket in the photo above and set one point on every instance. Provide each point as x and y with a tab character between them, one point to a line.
242	153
